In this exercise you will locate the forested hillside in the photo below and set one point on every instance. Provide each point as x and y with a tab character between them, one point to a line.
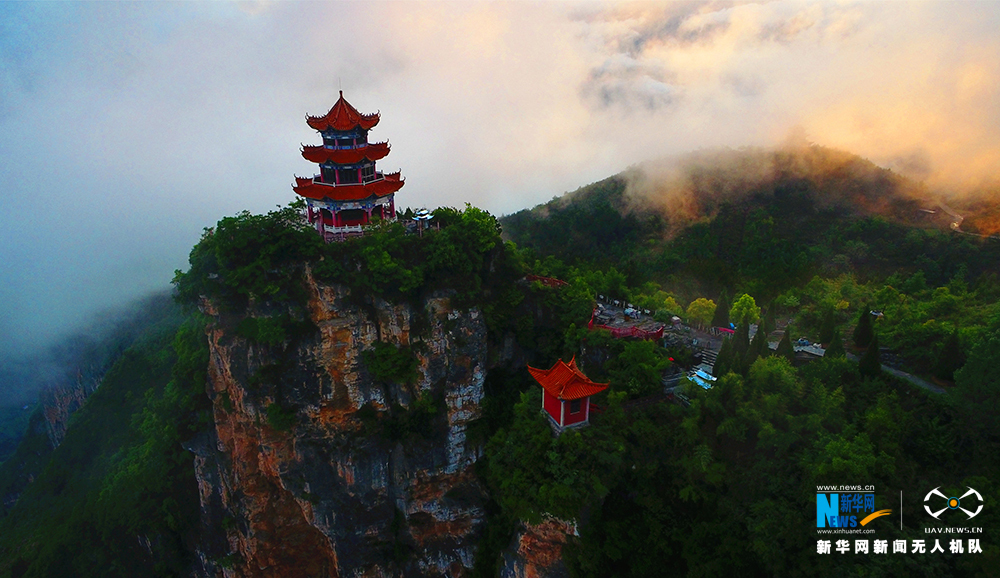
727	485
719	482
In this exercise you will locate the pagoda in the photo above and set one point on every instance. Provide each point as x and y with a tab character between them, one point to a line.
348	192
566	393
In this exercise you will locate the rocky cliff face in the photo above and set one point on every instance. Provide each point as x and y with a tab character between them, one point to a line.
314	466
536	551
60	400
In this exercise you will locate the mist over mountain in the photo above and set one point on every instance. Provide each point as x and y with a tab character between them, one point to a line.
721	218
692	187
24	372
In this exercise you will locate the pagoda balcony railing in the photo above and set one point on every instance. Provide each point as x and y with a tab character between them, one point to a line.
379	176
359	145
343	229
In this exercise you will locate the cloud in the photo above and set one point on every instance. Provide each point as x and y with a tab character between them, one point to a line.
127	128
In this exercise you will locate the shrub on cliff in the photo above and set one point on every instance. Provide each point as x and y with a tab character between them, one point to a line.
280	417
250	256
390	363
531	473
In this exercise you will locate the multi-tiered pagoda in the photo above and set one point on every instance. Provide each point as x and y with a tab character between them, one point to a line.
348	192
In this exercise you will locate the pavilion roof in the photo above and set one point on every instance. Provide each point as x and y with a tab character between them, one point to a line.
566	381
309	188
320	154
343	116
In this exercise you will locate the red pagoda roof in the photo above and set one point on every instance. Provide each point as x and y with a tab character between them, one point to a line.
566	381
309	188
321	154
343	116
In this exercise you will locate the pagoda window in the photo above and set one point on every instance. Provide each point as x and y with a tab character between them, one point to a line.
328	174
368	173
352	217
347	176
574	406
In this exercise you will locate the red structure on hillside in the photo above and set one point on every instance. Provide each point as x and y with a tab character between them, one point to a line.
348	192
631	331
547	281
566	393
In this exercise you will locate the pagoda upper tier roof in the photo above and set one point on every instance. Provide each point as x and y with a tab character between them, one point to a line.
321	154
342	116
566	381
311	189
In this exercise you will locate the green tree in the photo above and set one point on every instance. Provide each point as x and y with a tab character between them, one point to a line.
770	323
951	357
828	327
639	368
700	311
518	460
720	318
744	310
863	332
978	385
671	305
836	348
724	359
785	345
870	365
758	348
741	345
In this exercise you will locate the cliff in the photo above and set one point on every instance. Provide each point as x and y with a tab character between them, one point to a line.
60	401
536	551
316	466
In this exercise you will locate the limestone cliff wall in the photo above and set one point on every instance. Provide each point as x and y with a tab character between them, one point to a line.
334	495
536	551
60	400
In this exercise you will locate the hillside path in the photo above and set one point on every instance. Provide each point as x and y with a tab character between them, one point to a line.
907	376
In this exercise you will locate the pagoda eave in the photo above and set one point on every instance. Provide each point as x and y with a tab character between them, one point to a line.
343	117
320	154
324	123
565	381
310	189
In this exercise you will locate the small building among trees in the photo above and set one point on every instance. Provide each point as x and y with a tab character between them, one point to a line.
566	393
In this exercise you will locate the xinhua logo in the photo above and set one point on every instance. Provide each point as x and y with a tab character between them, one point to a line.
954	503
843	510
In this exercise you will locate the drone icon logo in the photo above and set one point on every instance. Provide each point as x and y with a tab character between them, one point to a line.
953	503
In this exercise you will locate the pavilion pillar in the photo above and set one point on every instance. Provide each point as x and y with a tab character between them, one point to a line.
368	214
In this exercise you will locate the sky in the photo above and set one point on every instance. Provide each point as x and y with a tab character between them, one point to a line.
126	129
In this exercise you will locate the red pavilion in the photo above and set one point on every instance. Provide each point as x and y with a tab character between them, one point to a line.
348	192
566	393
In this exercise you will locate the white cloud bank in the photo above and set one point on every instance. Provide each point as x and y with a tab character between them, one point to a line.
126	128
